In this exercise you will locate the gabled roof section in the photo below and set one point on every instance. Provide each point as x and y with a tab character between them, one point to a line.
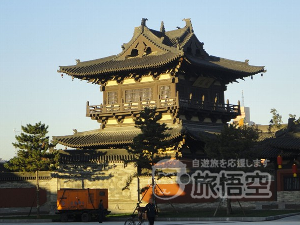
149	49
108	137
97	68
286	143
228	65
112	137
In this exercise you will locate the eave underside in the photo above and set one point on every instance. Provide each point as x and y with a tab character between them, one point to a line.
226	69
106	138
100	68
221	69
287	146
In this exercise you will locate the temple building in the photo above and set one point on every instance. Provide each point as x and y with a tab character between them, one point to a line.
283	149
168	70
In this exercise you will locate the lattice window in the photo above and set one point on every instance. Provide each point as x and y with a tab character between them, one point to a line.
112	98
135	95
165	92
291	183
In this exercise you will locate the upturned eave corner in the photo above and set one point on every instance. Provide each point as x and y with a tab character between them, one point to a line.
168	70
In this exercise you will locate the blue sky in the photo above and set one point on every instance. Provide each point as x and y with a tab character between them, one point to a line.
39	36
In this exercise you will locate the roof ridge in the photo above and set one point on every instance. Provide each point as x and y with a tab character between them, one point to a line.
88	62
246	62
186	40
127	45
173	33
150	36
164	48
159	43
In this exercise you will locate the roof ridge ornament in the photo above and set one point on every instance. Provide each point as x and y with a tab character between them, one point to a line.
188	24
143	23
162	27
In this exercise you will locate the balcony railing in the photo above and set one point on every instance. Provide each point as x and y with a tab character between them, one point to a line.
186	104
209	106
92	110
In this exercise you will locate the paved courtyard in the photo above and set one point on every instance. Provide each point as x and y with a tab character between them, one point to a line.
292	220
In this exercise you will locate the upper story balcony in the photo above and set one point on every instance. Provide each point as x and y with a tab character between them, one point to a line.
205	107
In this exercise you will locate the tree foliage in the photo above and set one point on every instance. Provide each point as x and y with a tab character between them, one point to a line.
150	145
232	143
293	116
33	150
276	121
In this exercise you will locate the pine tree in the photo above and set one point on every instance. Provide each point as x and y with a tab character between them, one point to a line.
33	154
150	145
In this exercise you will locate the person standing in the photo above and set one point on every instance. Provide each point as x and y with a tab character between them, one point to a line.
101	210
151	211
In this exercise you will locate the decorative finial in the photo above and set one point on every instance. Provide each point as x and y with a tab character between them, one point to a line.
77	61
188	24
162	27
143	23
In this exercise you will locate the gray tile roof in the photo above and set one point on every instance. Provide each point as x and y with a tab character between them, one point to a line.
218	63
122	136
287	143
170	46
107	137
112	65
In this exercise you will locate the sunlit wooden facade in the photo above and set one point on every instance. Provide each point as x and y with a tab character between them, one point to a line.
168	70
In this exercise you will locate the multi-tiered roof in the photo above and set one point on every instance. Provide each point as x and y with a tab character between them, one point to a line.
176	55
150	49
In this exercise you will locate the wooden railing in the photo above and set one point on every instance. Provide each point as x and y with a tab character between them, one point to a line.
93	158
20	176
131	106
187	104
209	106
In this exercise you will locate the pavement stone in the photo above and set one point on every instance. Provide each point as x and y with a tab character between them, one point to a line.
210	219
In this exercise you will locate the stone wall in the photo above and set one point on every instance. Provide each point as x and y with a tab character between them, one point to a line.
27	180
288	196
114	176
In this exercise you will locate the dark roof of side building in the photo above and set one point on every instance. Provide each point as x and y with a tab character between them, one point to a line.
286	142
